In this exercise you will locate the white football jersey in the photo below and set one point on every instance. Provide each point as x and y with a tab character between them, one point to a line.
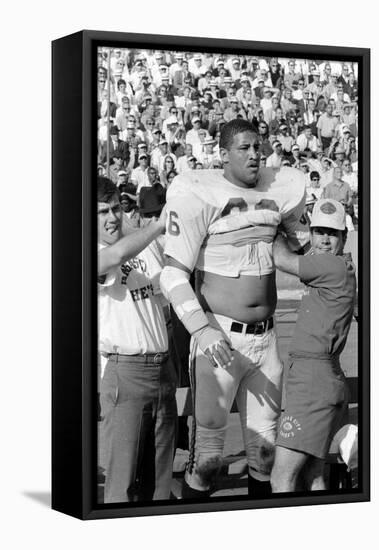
216	226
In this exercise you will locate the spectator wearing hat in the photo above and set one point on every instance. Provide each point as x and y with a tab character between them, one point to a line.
151	201
139	176
196	67
326	127
171	89
208	156
234	110
337	153
122	178
338	189
306	140
225	86
198	146
295	158
313	86
275	159
258	86
291	75
192	135
132	138
177	65
285	139
234	67
266	100
123	113
116	145
163	152
303	103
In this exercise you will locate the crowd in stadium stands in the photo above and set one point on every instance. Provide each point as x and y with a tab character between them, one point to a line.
160	114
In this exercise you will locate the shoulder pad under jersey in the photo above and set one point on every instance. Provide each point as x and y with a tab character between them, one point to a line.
208	185
286	187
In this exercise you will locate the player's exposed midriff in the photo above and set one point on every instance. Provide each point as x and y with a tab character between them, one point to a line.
246	298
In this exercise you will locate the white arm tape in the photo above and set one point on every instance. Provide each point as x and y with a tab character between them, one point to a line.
176	288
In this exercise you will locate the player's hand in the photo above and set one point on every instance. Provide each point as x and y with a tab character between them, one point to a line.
213	344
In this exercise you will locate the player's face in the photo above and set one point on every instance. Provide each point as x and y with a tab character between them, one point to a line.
109	221
325	240
241	161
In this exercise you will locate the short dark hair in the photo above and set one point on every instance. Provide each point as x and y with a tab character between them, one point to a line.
106	189
121	81
231	129
314	174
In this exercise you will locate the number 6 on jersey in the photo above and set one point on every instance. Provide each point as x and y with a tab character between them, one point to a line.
173	227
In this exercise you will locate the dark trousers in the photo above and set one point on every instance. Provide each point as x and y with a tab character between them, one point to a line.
137	433
325	143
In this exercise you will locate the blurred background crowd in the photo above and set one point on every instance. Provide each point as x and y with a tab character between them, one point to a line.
160	114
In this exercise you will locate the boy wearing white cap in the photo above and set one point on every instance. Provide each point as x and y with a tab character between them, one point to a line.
315	393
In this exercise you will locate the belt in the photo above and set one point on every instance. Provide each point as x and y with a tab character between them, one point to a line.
145	358
254	328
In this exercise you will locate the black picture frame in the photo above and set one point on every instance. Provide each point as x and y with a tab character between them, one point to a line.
74	332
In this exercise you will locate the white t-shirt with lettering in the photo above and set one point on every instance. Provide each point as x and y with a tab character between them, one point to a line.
130	315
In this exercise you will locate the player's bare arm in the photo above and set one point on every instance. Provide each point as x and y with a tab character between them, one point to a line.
177	289
284	259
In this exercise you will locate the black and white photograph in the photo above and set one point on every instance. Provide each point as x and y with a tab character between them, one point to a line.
189	299
229	193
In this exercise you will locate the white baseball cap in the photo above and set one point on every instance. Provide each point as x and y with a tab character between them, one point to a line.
328	213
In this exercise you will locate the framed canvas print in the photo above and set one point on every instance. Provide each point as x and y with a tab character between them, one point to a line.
211	292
